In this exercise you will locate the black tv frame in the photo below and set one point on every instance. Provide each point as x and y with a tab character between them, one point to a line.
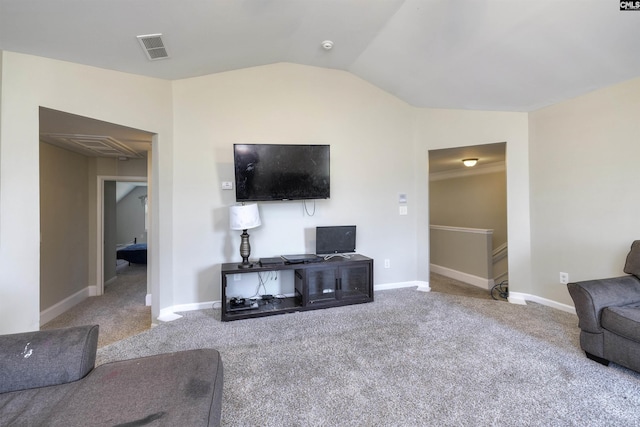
277	172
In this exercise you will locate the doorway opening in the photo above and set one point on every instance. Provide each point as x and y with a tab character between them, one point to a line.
75	152
468	219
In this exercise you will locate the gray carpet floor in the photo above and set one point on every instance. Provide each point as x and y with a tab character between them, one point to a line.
120	311
407	359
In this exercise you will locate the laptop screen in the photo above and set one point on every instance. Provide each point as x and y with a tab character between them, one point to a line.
335	239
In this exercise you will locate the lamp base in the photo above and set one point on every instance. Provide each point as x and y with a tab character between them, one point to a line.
245	250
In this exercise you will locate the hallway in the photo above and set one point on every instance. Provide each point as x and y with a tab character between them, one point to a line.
120	312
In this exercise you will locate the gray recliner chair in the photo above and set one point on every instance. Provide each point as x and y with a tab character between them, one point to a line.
609	315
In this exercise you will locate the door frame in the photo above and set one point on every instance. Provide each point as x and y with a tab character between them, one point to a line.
100	227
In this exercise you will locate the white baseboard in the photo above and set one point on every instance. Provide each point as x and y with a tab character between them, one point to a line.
385	286
423	287
57	309
480	282
169	314
520	298
147	300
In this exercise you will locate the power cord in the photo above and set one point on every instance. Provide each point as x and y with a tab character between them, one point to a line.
304	203
262	279
500	291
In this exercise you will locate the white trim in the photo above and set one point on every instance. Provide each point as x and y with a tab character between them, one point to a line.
516	298
100	224
422	286
521	298
471	279
499	278
57	309
462	229
476	170
169	314
147	300
500	252
193	306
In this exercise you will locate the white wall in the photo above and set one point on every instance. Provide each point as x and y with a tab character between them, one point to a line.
130	217
584	187
579	204
437	129
64	228
472	201
379	149
29	82
370	133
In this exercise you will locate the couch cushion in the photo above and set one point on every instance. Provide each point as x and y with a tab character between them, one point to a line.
44	358
174	389
623	321
632	264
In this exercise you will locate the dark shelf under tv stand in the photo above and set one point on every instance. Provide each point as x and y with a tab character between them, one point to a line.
328	283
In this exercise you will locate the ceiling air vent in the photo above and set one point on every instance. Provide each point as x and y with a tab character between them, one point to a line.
153	46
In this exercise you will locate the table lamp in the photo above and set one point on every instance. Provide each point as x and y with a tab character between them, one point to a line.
244	217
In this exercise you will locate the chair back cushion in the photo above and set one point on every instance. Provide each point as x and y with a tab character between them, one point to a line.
632	265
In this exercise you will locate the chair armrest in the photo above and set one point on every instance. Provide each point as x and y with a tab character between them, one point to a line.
592	296
45	358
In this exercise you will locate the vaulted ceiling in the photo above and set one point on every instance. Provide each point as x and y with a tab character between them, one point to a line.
501	55
507	55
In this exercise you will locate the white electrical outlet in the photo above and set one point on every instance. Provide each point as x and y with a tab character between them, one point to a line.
564	278
387	263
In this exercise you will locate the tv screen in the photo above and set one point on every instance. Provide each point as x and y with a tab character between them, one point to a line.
281	172
338	239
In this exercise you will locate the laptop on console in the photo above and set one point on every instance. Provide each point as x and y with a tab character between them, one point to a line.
301	259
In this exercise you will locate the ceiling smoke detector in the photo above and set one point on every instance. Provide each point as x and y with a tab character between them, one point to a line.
327	45
153	46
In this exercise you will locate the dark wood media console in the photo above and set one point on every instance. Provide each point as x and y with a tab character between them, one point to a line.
328	283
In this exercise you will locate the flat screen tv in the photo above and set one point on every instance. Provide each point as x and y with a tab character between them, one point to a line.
337	239
266	172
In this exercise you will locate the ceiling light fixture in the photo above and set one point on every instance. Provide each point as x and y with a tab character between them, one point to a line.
469	162
327	45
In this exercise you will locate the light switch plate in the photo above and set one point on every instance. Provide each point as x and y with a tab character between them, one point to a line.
403	210
227	185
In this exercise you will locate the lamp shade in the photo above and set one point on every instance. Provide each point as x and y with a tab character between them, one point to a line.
244	217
